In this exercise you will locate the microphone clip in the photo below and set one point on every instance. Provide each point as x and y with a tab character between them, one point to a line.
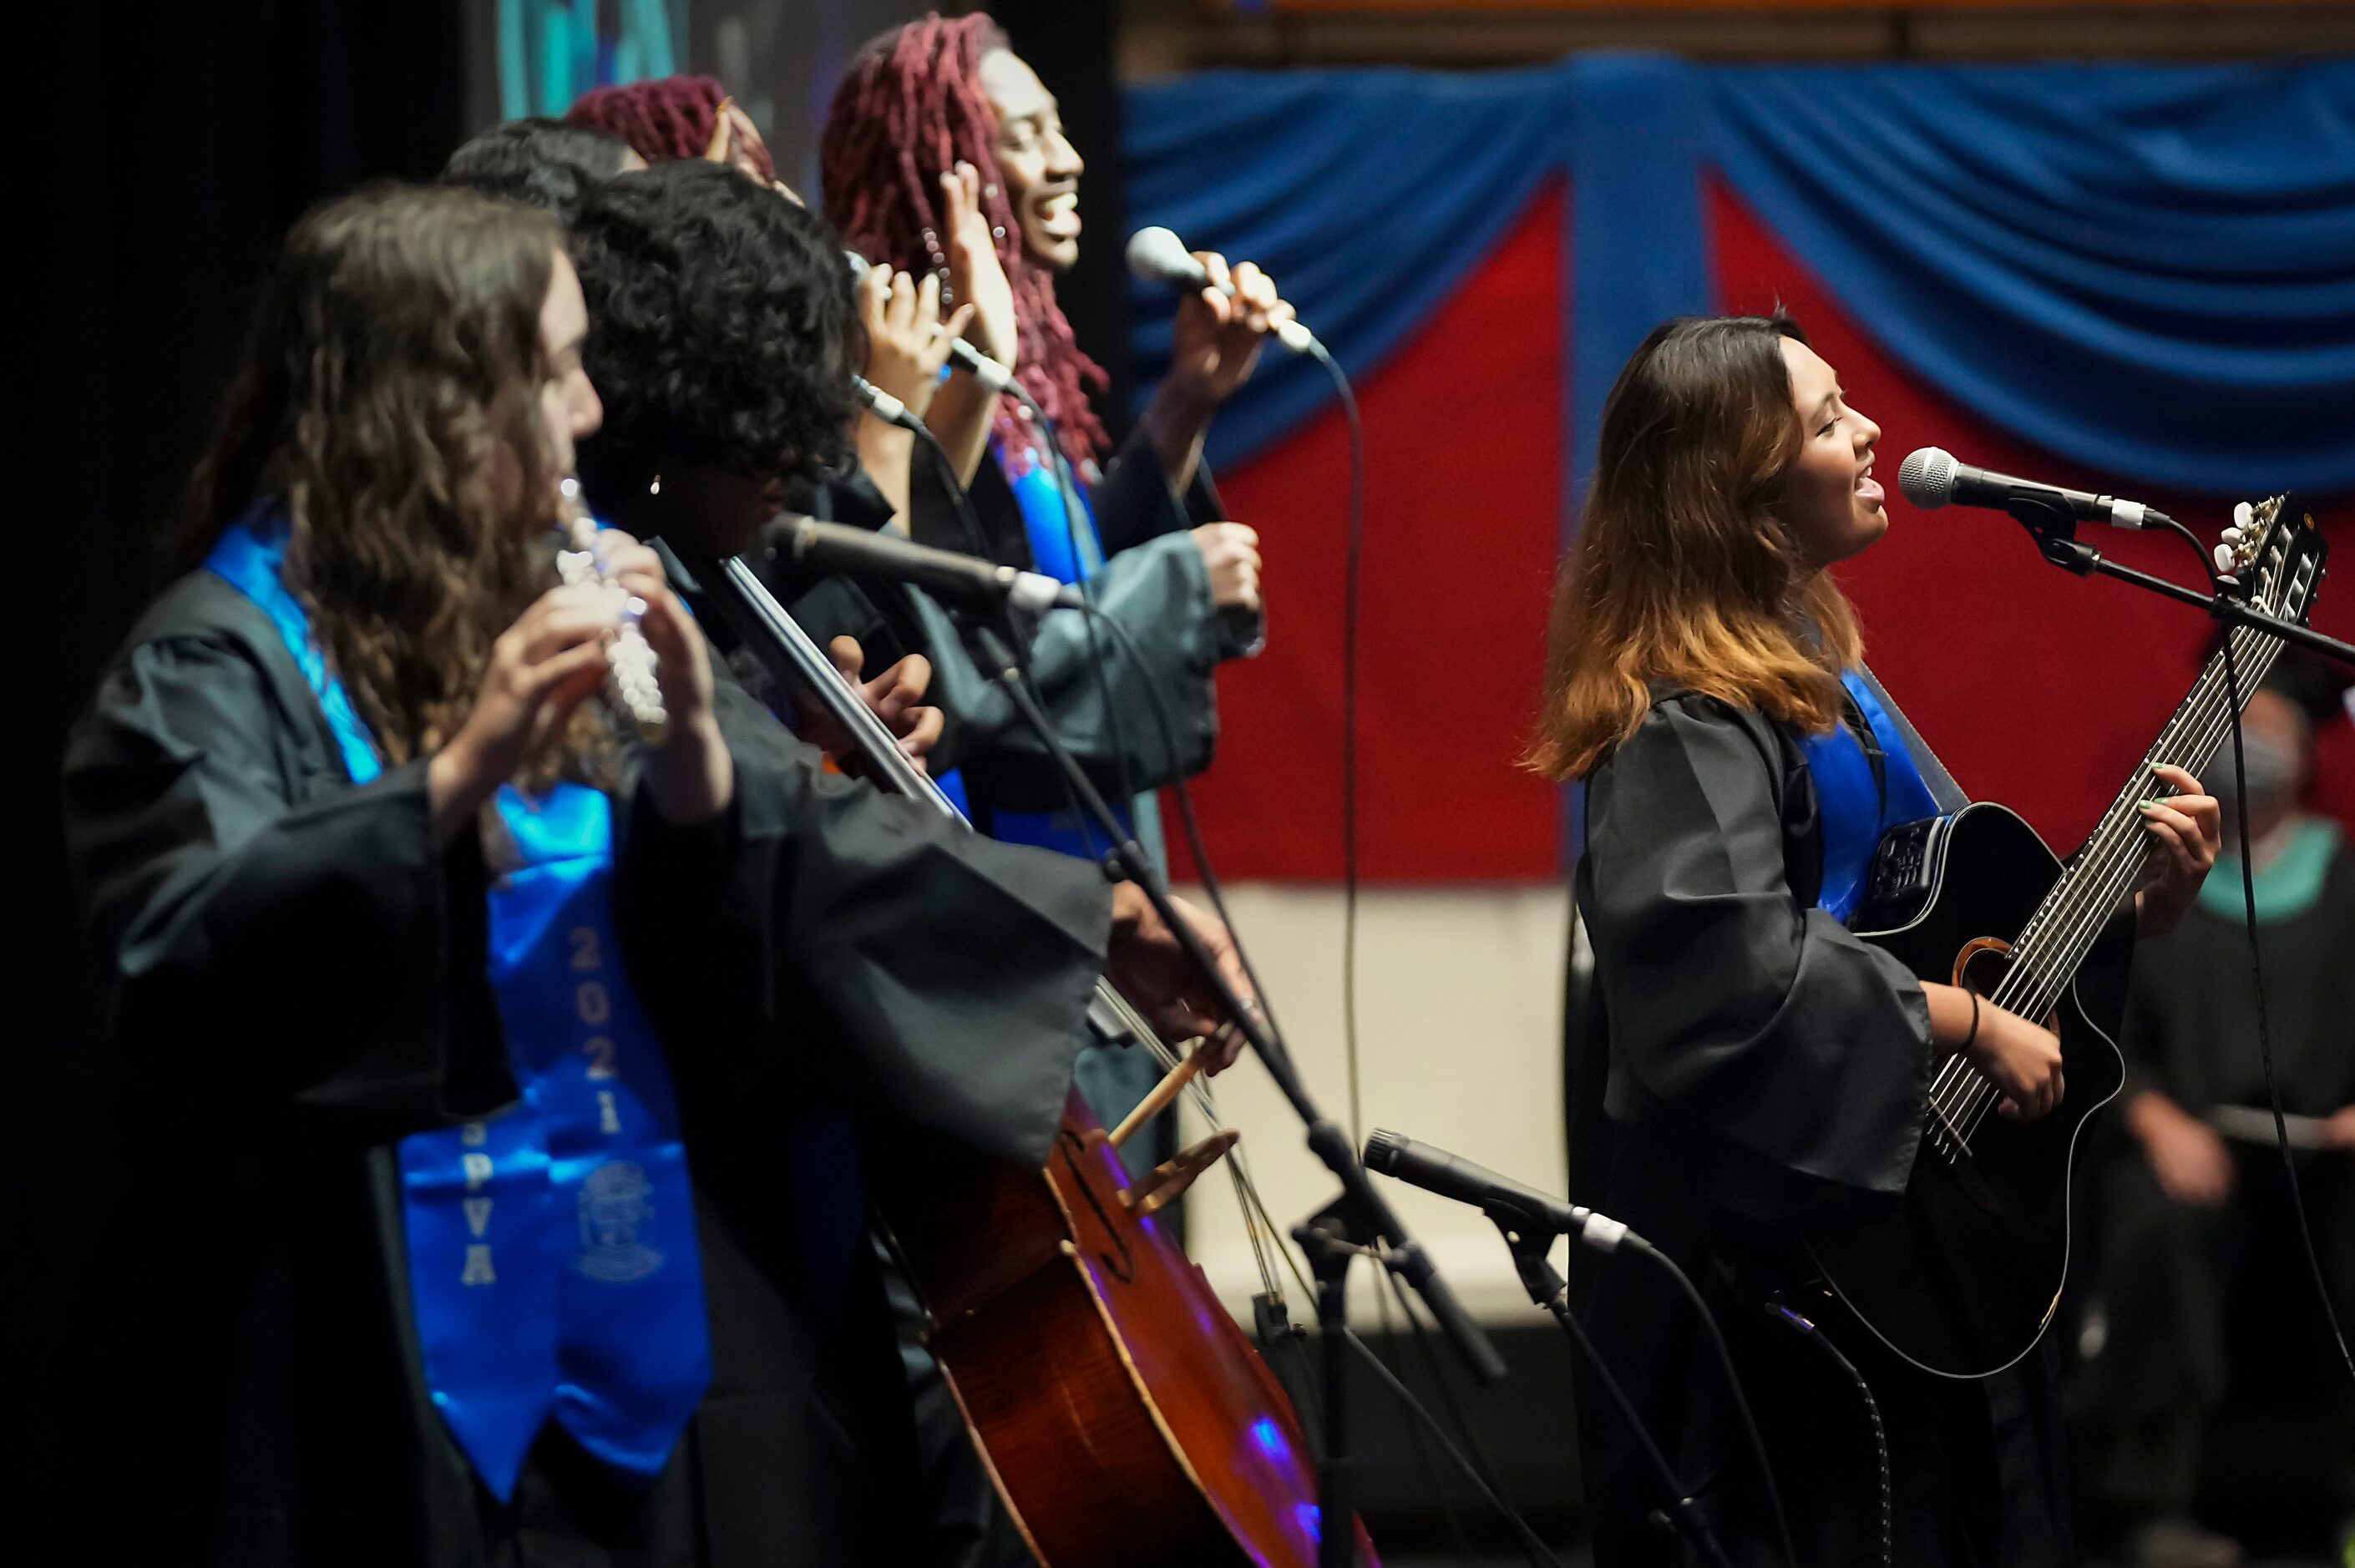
2053	525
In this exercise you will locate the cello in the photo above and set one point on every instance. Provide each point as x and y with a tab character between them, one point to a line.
1122	1414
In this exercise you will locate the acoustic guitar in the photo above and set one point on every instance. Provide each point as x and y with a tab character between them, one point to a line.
1963	1279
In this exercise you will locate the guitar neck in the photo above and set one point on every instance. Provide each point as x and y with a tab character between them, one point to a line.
2062	932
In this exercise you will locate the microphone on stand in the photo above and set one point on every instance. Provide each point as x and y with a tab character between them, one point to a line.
945	574
1932	477
1453	1176
1157	255
992	374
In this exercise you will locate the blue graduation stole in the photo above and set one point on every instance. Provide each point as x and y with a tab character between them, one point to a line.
1855	806
552	1258
1067	548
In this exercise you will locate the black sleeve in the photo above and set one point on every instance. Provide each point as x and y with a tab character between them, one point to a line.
2142	1031
257	949
1731	1006
944	976
1135	503
1134	500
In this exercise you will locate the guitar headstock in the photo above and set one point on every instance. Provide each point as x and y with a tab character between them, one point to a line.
2274	548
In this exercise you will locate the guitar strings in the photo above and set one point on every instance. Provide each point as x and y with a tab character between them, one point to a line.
2077	920
2057	938
2031	987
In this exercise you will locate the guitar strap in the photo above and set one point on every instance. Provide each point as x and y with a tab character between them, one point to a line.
1942	788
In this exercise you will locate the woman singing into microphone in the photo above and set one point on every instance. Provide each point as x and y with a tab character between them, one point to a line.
1765	1069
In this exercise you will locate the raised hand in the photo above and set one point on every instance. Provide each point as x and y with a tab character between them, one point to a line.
1216	339
977	277
907	341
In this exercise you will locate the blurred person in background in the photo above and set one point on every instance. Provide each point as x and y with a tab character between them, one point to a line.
2195	1197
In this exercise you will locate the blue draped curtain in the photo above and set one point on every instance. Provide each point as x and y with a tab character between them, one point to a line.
2148	270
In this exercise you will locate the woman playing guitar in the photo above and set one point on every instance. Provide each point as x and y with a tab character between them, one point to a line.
1767	1070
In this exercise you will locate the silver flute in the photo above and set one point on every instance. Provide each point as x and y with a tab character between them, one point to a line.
630	662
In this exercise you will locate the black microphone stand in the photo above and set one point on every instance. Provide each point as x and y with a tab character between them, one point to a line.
2054	526
1356	1220
1529	1244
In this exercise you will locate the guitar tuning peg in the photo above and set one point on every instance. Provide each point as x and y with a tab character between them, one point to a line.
2242	514
2224	559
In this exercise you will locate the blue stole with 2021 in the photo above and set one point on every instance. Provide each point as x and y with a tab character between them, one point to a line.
1855	806
552	1260
1063	546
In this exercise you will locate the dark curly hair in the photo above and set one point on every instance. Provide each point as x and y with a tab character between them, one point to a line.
387	395
721	329
911	106
545	163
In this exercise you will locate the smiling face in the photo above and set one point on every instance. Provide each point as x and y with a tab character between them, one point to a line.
1039	165
1830	504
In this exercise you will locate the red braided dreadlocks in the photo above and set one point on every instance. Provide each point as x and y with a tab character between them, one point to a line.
910	108
669	117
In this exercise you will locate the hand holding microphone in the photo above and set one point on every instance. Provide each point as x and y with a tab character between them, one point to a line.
1223	319
907	341
994	374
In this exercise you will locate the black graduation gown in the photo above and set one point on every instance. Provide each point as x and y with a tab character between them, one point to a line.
2174	1277
295	976
1153	582
1748	1066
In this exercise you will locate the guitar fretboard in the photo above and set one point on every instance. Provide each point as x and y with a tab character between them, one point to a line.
2057	938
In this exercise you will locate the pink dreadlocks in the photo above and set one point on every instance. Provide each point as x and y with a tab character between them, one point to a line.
910	109
669	117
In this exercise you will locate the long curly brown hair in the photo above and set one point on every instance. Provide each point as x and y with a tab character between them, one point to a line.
1682	572
909	109
387	399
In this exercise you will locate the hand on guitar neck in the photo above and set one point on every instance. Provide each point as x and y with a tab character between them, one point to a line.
2022	1058
2185	832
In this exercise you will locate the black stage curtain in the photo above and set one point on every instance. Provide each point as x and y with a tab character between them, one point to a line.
169	146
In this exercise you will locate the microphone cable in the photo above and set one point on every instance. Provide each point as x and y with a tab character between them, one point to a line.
2264	1034
2256	963
1478	1453
1352	615
1532	1545
1480	1467
1799	1323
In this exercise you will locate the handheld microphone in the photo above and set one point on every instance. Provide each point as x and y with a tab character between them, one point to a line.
963	580
1932	477
883	406
1451	1176
1157	255
992	374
